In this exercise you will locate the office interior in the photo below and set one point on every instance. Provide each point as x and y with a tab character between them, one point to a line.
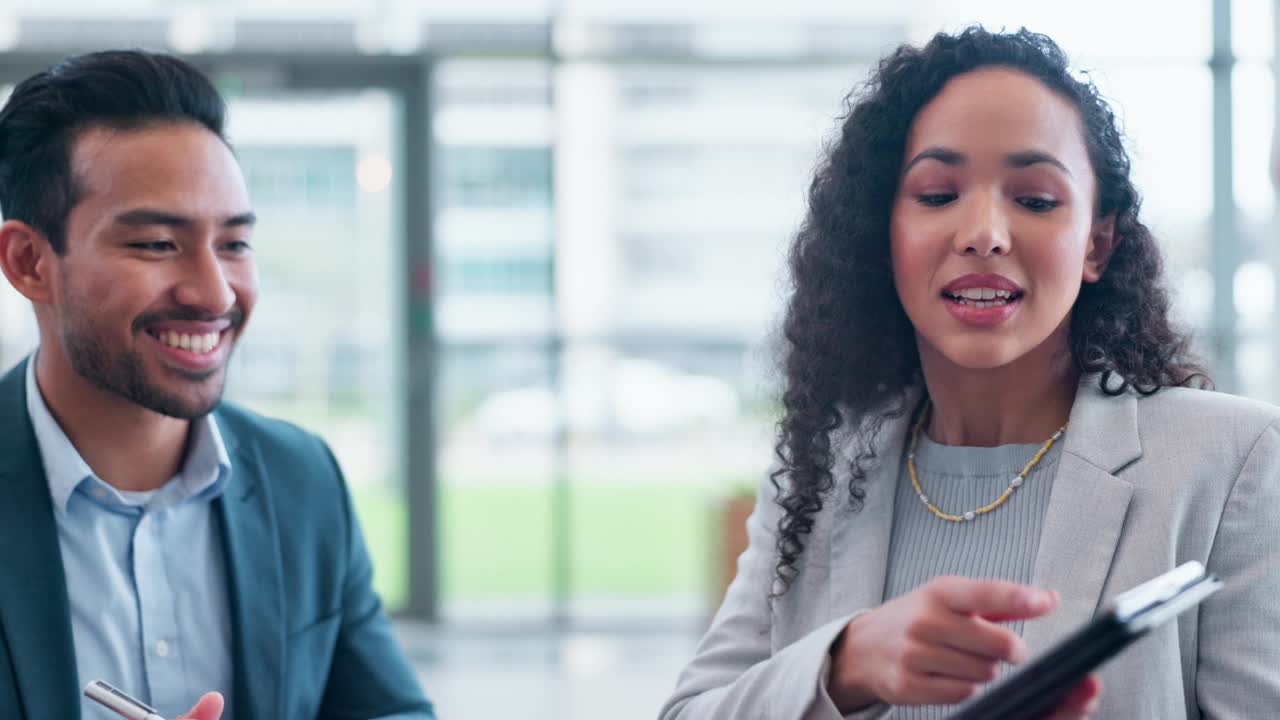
522	264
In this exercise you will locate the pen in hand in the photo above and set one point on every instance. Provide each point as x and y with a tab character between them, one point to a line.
119	702
209	707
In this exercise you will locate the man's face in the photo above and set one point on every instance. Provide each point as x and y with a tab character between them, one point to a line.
158	278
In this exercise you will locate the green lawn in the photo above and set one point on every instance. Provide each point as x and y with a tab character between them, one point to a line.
384	519
636	537
496	539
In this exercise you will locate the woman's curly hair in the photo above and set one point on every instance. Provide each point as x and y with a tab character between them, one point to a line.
849	350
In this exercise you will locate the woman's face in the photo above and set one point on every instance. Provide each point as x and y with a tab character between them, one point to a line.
993	227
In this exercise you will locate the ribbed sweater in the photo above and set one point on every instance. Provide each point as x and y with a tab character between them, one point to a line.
999	545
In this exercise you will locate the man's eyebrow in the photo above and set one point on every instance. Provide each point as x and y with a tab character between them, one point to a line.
147	216
244	218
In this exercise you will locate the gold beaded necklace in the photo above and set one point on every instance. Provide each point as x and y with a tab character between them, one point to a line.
1014	484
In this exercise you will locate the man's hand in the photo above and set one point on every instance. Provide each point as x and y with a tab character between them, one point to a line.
208	708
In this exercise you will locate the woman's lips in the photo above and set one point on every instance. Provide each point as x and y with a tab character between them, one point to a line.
980	313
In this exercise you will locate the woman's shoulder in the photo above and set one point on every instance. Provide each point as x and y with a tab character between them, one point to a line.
1190	416
1200	407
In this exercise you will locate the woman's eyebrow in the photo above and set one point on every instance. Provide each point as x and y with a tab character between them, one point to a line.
943	155
1018	160
1027	158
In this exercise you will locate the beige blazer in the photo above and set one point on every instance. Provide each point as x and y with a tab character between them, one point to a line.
1144	483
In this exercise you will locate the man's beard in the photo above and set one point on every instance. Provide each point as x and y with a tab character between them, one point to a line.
123	372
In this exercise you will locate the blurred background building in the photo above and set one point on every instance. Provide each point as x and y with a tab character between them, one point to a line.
521	261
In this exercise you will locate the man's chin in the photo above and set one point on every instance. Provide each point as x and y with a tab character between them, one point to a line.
186	403
200	376
148	382
180	408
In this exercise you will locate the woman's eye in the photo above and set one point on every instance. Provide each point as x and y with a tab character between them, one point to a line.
935	199
1038	204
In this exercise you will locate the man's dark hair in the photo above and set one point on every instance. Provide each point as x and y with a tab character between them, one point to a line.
116	89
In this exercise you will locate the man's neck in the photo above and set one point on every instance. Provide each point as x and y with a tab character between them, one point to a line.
128	446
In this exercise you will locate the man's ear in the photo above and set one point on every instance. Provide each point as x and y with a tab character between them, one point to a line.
27	259
1102	242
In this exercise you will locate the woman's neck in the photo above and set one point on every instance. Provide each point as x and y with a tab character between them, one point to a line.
1023	402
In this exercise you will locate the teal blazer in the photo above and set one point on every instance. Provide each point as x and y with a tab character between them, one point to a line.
311	640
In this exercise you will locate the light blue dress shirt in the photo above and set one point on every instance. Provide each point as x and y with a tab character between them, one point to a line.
146	577
145	571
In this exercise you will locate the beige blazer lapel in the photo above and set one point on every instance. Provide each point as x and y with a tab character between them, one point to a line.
1086	509
860	540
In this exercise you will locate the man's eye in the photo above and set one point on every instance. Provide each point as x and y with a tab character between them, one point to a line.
238	246
935	199
153	245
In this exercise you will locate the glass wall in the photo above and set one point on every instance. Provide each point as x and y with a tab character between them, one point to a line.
612	189
1254	154
678	187
497	408
321	350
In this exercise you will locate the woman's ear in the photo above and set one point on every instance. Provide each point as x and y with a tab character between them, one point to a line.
1102	242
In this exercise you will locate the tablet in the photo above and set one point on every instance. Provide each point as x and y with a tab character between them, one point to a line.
1037	687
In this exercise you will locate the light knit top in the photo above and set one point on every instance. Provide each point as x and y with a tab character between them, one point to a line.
999	545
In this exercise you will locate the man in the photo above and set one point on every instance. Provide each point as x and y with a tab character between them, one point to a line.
151	536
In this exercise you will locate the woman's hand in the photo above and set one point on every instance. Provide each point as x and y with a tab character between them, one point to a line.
1081	703
936	645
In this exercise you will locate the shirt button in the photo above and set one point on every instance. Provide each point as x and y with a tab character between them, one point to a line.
100	493
162	648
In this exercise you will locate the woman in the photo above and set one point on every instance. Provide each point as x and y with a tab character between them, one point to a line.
989	424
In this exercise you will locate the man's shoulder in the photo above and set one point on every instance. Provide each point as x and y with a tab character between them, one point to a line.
292	466
13	388
241	419
275	440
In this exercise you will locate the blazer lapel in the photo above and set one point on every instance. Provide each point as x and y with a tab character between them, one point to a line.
255	589
35	613
1086	510
860	539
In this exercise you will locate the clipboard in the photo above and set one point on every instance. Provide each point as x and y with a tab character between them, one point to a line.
1037	687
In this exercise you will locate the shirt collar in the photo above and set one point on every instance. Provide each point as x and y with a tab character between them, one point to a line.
204	474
